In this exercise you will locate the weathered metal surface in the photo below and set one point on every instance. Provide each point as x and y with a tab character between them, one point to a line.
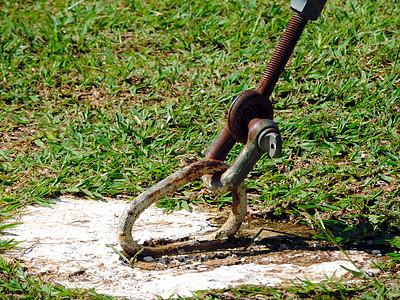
270	141
255	103
281	55
221	145
168	186
258	130
246	107
192	245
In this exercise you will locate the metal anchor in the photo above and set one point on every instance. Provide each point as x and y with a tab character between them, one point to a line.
218	177
250	122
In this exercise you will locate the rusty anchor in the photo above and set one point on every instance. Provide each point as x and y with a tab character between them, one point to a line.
250	121
218	177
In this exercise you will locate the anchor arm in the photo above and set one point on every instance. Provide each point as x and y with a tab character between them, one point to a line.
167	187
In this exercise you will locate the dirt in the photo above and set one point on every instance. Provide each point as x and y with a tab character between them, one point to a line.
67	245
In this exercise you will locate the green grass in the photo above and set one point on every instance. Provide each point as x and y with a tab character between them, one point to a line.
307	290
101	98
15	284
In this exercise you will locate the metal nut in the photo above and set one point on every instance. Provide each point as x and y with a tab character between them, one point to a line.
309	9
270	142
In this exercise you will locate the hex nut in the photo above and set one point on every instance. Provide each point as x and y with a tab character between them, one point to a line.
309	9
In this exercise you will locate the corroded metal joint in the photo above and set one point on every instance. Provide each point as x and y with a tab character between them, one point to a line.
263	137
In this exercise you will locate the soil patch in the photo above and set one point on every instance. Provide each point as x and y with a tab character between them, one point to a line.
67	245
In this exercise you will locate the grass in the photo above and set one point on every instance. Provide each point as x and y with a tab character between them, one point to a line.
15	284
307	290
102	98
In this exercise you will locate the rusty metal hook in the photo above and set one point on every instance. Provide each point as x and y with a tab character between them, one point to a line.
168	186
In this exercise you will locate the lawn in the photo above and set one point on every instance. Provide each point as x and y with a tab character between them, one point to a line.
106	98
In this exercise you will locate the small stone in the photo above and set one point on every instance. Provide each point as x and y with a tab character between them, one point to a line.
283	247
182	258
316	244
376	252
222	255
188	260
205	257
148	258
265	259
